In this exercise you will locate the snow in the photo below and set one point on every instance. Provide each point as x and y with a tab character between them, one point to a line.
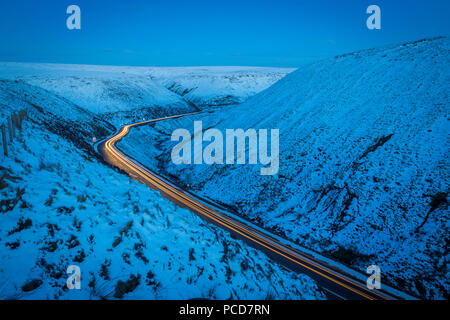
208	87
363	161
62	206
101	90
112	89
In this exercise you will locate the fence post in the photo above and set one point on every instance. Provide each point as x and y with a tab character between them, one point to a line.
5	149
10	130
19	121
13	126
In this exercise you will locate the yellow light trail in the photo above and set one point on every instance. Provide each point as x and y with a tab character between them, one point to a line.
323	272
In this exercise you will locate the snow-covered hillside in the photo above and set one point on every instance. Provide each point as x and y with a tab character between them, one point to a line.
116	94
62	206
125	94
207	87
364	178
54	113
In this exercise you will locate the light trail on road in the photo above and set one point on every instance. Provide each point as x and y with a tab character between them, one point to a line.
335	282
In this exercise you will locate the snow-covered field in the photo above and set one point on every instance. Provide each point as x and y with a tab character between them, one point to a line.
364	178
61	206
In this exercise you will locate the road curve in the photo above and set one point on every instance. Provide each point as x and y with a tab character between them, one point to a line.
338	284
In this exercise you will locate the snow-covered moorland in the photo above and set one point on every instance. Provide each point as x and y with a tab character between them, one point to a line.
208	87
364	144
126	94
114	93
61	206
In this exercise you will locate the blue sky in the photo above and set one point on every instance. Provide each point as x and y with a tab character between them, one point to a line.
209	32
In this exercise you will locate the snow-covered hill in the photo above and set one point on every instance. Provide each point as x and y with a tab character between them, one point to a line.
125	94
115	93
208	87
54	113
364	144
61	206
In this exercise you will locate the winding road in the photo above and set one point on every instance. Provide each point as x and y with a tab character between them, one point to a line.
337	283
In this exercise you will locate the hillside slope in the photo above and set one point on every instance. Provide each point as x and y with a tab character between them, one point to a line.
61	206
126	94
114	93
208	87
54	113
363	177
